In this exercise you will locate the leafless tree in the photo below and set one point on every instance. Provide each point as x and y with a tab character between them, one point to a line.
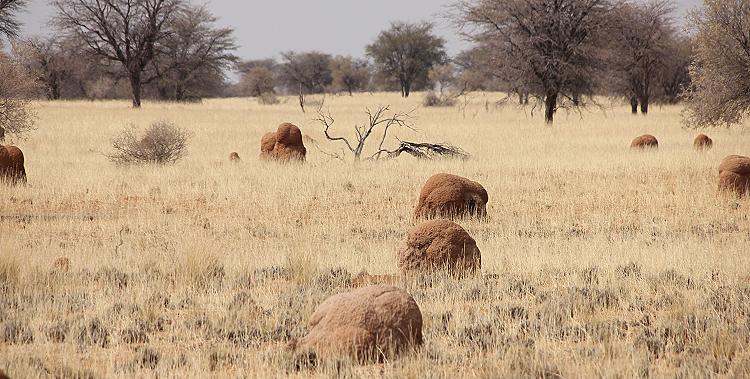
193	56
674	74
46	59
442	76
378	121
449	87
17	88
476	71
407	52
552	48
720	73
124	31
641	34
9	9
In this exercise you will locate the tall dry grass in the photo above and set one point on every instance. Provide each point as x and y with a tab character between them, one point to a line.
598	261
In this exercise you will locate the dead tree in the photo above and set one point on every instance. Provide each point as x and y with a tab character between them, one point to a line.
377	120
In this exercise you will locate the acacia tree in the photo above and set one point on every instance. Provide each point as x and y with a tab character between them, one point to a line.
245	66
124	31
309	72
193	55
257	82
407	52
552	48
349	74
720	72
640	40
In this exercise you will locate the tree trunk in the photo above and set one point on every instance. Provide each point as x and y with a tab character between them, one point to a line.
634	105
646	92
550	106
179	93
644	105
163	92
55	91
136	88
53	87
82	88
576	99
406	88
2	134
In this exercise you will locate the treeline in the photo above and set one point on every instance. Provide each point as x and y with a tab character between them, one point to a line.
157	49
556	53
173	50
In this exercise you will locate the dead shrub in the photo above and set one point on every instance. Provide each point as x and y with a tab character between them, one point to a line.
268	98
147	358
162	143
58	332
15	332
434	99
93	333
134	335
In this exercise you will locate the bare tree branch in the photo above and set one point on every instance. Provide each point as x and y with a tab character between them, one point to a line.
377	121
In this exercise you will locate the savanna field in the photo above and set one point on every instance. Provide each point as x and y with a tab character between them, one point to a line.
597	261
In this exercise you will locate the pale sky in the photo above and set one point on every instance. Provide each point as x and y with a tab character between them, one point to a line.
264	28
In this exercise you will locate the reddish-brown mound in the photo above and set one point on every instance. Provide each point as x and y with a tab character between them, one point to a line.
283	145
368	324
703	142
267	144
644	142
12	165
439	245
446	195
734	175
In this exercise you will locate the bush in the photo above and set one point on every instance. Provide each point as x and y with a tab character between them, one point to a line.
268	98
161	143
432	99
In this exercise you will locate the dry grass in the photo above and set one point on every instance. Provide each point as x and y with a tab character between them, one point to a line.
598	260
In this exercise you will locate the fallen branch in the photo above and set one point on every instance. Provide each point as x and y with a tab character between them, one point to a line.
424	150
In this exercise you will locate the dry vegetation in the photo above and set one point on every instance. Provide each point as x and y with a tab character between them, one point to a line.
597	260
